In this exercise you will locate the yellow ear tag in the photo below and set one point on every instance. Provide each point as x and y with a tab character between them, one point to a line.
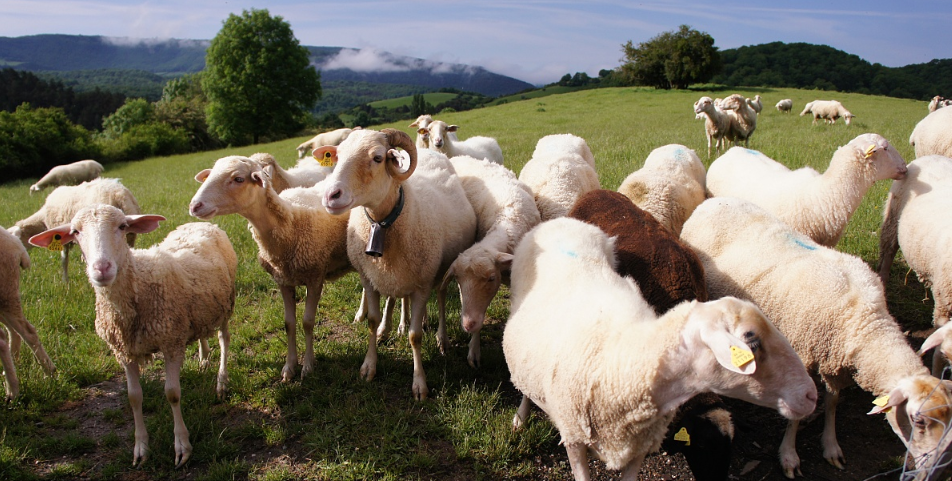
869	151
740	357
683	436
881	401
326	160
55	244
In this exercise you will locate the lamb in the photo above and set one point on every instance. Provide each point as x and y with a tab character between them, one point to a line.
479	147
718	123
829	110
561	169
938	102
299	243
505	211
743	119
931	135
13	258
669	186
333	137
306	173
155	300
426	218
832	308
667	273
69	174
785	106
756	104
63	203
914	219
819	206
583	344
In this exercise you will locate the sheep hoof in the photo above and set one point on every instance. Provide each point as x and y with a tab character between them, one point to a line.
287	374
182	453
517	422
473	362
837	461
420	392
140	452
367	371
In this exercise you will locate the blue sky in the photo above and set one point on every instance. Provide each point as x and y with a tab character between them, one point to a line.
535	41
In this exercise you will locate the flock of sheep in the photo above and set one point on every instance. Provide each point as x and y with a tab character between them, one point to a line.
628	308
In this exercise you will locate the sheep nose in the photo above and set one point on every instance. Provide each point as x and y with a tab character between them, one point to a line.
812	396
334	194
102	266
195	207
438	142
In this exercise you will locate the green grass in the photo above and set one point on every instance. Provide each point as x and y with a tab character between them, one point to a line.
434	98
333	425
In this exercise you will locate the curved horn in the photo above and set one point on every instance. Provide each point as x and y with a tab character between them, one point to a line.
399	138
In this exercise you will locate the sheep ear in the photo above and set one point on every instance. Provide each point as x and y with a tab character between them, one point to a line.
504	261
885	403
59	235
731	352
261	177
326	155
447	277
452	128
935	339
201	176
143	224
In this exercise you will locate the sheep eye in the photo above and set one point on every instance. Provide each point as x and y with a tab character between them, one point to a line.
492	278
378	159
919	421
123	226
752	341
239	179
74	232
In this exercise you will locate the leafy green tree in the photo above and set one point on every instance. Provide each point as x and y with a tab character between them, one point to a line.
672	59
258	79
133	112
34	140
182	106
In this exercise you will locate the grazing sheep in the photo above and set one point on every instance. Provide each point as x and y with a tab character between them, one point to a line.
938	102
333	137
63	203
583	344
785	105
828	110
717	127
914	220
756	104
743	119
299	243
13	258
933	134
667	273
505	211
819	206
561	169
832	308
306	173
409	231
68	174
155	300
479	147
669	186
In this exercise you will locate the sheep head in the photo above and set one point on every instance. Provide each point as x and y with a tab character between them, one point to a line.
880	160
479	272
232	186
437	132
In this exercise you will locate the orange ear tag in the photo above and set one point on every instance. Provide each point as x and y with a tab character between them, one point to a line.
326	160
55	244
740	357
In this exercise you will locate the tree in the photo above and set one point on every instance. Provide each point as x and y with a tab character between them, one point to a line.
672	59
258	79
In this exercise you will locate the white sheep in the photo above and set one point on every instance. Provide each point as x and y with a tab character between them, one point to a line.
155	300
785	105
561	169
669	186
914	220
505	211
756	104
423	135
68	174
820	206
828	110
13	258
306	173
716	126
63	203
583	344
299	243
441	140
407	233
938	102
743	118
832	308
933	134
332	137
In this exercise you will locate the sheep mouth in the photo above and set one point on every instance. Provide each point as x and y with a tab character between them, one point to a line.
204	214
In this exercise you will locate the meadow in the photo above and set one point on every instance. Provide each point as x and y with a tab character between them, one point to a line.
332	425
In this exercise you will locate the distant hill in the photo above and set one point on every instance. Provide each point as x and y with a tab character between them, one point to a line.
58	54
804	65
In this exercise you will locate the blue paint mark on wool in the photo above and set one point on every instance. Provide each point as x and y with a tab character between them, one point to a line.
568	252
804	244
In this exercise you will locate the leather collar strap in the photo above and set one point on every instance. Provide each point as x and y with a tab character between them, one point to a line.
392	216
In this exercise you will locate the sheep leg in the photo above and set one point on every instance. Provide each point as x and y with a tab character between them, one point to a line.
203	354
788	450
362	309
474	350
290	308
140	451
522	414
831	448
310	312
631	471
173	393
23	329
224	339
940	317
369	368
64	262
418	308
442	339
386	324
11	383
405	316
578	459
15	341
888	238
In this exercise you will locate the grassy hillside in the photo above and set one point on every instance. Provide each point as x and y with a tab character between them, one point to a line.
333	425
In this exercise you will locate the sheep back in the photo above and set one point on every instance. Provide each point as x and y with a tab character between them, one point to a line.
933	134
69	174
669	186
497	196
